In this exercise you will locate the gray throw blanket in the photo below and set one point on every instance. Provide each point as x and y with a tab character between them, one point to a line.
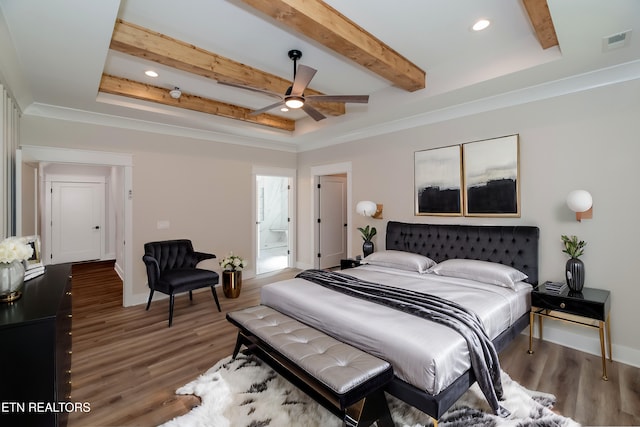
484	358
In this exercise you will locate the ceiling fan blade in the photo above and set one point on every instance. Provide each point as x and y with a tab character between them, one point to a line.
358	99
315	114
303	77
267	108
253	89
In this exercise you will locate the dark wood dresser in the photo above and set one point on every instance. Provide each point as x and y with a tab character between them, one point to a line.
35	351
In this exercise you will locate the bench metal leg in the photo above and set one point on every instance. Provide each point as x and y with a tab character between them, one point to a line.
239	342
369	410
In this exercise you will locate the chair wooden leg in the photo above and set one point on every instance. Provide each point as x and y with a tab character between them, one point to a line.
171	297
215	296
149	302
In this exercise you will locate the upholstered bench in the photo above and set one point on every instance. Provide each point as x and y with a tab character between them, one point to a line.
344	379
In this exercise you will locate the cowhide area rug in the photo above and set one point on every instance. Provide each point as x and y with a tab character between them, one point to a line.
247	392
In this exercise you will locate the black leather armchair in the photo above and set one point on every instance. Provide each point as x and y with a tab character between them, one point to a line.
171	269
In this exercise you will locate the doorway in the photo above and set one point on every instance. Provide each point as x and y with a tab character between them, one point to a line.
273	199
77	221
317	172
122	196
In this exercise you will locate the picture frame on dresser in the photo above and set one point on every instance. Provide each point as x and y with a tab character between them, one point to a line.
33	267
492	177
438	181
35	259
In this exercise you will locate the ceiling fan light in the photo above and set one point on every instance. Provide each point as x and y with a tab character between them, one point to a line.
294	102
481	24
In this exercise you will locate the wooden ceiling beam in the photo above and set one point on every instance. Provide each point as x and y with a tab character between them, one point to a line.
132	89
540	17
322	23
143	43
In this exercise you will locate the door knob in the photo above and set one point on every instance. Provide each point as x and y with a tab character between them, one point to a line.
97	227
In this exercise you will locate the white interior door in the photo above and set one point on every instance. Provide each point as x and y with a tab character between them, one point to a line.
332	201
77	221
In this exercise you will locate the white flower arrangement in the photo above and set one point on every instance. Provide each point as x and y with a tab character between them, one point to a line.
15	248
233	263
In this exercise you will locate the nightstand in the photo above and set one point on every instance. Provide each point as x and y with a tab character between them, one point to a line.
590	304
349	263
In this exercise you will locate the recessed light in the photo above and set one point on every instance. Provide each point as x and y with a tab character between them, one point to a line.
481	24
284	109
151	73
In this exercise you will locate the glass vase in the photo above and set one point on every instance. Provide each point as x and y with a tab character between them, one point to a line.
11	280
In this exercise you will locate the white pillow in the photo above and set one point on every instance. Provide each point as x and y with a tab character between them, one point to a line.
481	271
400	260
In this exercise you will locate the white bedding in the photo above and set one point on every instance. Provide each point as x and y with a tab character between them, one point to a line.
425	354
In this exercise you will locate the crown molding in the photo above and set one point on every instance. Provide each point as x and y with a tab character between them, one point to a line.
83	116
579	83
561	87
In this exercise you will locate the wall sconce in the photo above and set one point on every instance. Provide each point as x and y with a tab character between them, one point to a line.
368	208
581	202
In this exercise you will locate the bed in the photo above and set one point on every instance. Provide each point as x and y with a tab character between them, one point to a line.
431	362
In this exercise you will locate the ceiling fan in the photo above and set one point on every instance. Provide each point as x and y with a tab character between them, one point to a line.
294	96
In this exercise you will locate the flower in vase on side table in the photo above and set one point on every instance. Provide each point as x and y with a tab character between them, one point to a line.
574	269
13	251
232	266
367	234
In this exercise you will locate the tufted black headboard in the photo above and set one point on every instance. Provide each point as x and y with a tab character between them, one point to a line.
515	246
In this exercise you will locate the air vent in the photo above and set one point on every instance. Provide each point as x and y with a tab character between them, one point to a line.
616	41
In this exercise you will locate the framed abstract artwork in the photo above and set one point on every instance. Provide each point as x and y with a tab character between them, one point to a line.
492	177
438	181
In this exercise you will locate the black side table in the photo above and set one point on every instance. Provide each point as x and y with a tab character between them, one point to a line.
349	263
590	304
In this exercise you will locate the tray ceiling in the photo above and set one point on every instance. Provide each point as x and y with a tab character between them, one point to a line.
86	60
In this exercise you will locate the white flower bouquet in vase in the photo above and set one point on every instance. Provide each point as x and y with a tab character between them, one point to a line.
232	266
13	251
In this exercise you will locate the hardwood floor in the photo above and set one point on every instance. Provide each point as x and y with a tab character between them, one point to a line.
127	363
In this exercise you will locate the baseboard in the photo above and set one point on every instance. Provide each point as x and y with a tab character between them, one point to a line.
304	266
554	333
589	344
137	299
119	271
142	298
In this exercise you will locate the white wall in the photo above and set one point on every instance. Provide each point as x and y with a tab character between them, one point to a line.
202	188
587	140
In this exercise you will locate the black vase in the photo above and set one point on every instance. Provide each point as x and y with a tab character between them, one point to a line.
367	248
574	273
